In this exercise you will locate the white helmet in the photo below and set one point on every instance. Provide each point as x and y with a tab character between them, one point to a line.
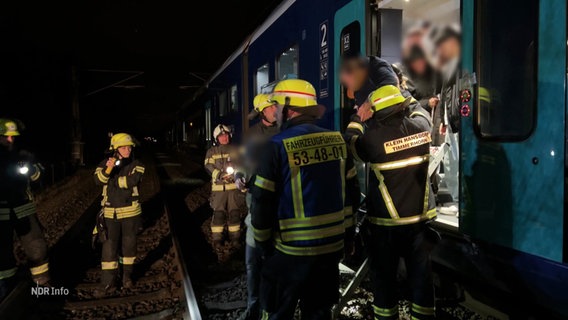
221	129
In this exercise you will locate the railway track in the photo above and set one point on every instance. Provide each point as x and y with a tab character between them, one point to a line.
162	289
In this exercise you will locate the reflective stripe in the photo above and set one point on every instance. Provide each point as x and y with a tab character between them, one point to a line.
262	234
399	164
356	126
209	161
105	197
123	212
427	311
352	173
37	173
39	269
426	195
217	229
4	274
220	156
126	260
25	210
321	220
342	173
313	234
386	195
215	174
309	251
235	228
265	315
223	187
139	169
265	184
404	220
4	214
135	192
297	195
109	265
99	173
353	147
122	182
385	312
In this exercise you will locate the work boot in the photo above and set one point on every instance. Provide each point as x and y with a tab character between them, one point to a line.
104	290
127	282
235	238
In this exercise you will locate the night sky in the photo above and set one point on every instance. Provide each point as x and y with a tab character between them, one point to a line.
167	48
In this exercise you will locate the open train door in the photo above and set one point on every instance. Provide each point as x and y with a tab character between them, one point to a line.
512	125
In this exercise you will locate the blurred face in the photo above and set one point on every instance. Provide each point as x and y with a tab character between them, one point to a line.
418	66
7	142
270	113
353	77
223	139
125	151
448	50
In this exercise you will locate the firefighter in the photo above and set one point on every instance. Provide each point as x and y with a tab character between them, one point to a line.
399	200
254	140
226	200
300	208
120	176
18	212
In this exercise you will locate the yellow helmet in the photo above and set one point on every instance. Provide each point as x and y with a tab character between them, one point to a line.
261	102
294	93
8	128
387	96
120	140
484	95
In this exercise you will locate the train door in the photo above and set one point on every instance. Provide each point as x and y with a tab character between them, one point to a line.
512	124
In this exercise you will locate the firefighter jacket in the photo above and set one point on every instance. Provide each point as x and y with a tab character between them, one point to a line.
15	193
120	188
217	160
300	203
397	145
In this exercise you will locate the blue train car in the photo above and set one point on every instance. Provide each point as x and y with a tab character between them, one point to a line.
510	243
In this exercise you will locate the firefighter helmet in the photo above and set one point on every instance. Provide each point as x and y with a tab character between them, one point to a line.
387	96
261	102
8	128
221	129
295	93
121	140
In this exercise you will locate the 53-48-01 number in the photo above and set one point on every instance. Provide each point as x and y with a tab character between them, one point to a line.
315	155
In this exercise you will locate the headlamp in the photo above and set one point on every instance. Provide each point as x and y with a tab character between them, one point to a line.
23	169
230	170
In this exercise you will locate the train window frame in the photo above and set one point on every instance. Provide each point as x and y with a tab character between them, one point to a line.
223	103
257	85
479	68
208	127
234	98
296	48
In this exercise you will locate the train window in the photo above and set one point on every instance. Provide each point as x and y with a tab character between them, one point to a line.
222	103
234	98
287	63
506	35
261	78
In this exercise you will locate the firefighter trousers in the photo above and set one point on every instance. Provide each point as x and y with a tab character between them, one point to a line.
311	280
227	207
413	243
119	248
30	233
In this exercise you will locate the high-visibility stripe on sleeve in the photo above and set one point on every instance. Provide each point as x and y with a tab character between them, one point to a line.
427	311
353	147
5	274
99	173
122	182
262	234
385	312
235	228
265	184
126	260
351	173
37	173
215	174
209	161
39	269
399	164
109	265
357	126
139	169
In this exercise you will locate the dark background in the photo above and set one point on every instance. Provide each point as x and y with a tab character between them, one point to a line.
137	62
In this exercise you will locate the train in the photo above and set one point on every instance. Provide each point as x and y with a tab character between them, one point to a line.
509	246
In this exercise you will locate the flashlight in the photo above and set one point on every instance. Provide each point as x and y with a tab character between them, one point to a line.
230	170
23	169
117	162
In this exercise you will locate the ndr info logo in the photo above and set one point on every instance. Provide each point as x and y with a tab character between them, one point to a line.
49	291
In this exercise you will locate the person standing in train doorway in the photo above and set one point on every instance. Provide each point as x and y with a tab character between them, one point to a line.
221	161
400	201
299	215
254	140
447	42
18	211
120	176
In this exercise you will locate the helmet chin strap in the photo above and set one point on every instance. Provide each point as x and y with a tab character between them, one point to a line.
285	111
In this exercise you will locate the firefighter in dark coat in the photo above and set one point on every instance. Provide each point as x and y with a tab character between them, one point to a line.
399	201
18	212
120	176
301	209
222	161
